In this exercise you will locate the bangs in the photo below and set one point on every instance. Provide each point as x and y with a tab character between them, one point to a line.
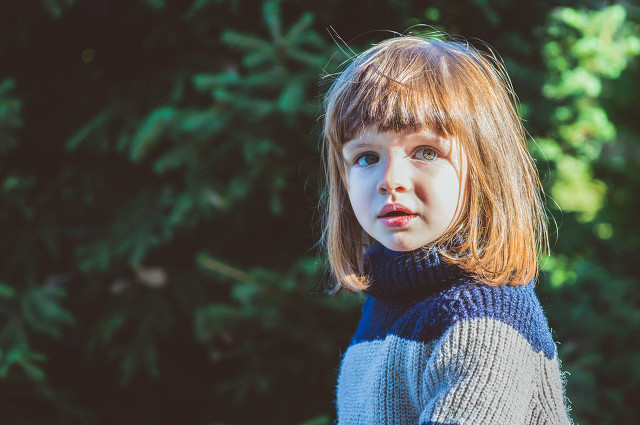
395	89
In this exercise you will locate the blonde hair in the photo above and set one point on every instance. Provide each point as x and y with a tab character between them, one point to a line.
410	83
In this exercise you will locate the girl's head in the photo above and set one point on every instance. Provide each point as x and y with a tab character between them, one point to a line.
422	142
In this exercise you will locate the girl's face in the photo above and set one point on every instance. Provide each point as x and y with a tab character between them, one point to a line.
406	188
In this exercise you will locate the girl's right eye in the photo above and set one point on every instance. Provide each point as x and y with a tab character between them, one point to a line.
367	159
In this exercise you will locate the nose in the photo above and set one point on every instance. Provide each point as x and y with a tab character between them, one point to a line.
395	177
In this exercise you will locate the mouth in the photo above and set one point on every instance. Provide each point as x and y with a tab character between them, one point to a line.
395	215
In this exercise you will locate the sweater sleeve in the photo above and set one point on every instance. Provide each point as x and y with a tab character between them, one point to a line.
483	371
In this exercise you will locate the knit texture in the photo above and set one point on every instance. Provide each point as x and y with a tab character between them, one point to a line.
435	347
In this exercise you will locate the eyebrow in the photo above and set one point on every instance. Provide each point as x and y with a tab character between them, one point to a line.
431	137
353	145
435	139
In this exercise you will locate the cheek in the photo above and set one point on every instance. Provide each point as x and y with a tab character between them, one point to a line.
454	197
358	196
443	194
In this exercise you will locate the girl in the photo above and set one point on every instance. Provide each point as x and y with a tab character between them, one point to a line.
434	211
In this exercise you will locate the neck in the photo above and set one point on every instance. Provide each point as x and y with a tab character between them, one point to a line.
407	275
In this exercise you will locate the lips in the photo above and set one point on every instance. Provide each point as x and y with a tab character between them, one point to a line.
395	215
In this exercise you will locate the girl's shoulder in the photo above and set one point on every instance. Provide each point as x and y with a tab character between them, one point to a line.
515	306
468	299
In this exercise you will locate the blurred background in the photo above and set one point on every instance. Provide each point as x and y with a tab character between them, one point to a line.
159	175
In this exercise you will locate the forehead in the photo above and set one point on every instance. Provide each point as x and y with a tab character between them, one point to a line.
372	138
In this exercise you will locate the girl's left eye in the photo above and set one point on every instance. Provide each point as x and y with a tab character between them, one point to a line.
426	154
367	159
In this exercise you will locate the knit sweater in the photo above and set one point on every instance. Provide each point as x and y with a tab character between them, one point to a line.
436	347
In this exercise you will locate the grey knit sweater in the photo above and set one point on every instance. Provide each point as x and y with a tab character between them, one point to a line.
435	347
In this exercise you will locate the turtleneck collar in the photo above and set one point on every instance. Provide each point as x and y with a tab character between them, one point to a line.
407	275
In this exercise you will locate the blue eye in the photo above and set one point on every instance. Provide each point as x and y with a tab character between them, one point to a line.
427	154
367	159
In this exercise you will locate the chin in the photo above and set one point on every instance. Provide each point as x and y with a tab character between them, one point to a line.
402	246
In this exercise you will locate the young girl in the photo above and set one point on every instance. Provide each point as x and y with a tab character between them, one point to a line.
434	211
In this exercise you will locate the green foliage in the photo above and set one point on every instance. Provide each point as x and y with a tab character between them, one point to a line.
594	284
584	49
56	7
158	183
263	314
37	309
9	115
132	325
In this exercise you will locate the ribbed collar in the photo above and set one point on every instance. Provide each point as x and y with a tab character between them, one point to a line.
411	275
